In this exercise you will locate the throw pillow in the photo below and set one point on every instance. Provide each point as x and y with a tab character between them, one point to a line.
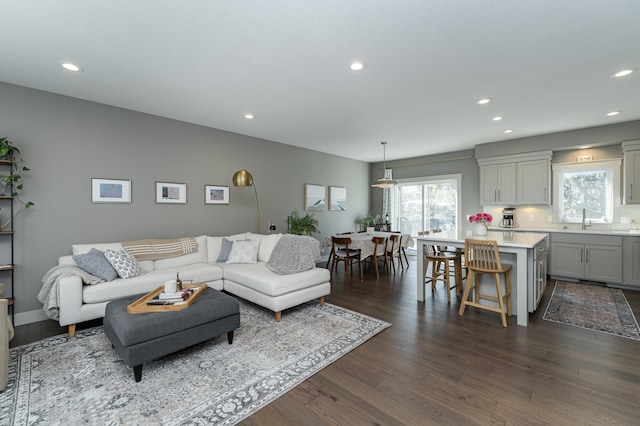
244	251
225	249
96	264
125	264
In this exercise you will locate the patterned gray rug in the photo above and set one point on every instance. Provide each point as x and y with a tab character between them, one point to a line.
83	381
595	308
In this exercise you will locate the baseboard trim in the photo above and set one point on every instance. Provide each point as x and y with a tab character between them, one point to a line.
29	317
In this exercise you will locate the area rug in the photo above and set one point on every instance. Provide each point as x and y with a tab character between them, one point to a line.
82	380
592	307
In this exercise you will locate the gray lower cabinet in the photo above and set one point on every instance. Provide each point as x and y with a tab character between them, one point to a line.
631	261
572	256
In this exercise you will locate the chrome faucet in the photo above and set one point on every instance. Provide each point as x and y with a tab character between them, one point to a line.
584	225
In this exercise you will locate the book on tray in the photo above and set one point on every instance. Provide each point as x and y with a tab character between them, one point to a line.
171	298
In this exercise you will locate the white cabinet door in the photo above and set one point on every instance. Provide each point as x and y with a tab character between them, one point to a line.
567	260
603	263
632	177
631	261
507	183
498	184
534	181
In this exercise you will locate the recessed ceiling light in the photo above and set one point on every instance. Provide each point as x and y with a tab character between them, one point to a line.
497	118
248	116
357	66
509	131
624	73
71	67
484	101
612	113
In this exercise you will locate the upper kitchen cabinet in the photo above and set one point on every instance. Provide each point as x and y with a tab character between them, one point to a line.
631	167
522	179
498	184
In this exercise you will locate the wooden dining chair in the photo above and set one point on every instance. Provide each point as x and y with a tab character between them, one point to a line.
379	254
482	257
393	249
343	253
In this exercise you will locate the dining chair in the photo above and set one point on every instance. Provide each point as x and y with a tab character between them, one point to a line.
379	254
482	257
330	259
393	249
342	253
440	271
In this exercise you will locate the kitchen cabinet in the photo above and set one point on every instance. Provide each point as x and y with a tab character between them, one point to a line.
631	262
498	184
585	257
631	171
534	182
511	180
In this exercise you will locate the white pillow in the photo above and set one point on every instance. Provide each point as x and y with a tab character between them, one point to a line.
267	243
244	251
125	264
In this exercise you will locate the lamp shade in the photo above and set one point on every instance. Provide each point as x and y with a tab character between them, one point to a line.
242	178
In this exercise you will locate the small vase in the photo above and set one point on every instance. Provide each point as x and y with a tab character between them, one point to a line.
480	229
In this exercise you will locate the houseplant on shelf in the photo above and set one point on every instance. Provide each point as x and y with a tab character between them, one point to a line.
302	225
369	221
480	219
11	156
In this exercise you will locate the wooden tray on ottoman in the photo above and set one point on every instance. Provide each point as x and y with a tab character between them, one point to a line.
140	306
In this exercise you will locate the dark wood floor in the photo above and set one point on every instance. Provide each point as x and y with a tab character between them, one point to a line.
434	367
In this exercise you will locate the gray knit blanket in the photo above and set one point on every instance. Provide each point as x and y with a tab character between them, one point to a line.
293	254
49	294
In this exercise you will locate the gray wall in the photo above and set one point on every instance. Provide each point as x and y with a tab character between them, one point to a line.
66	141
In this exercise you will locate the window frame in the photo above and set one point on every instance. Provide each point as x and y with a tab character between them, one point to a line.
612	169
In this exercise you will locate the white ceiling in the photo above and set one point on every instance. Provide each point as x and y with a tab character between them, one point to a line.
545	63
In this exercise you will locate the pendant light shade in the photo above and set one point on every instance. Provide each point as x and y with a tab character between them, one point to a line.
384	182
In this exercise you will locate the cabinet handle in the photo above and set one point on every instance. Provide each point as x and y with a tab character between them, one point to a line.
581	255
545	194
587	256
495	195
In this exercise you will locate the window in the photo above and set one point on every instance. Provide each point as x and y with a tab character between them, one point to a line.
426	204
589	188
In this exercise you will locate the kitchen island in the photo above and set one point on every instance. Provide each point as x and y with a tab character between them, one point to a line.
525	251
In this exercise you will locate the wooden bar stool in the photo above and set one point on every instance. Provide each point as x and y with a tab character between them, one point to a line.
482	257
440	270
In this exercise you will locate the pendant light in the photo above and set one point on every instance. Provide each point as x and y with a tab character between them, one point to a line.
384	182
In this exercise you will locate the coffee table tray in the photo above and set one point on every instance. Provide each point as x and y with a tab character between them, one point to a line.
140	306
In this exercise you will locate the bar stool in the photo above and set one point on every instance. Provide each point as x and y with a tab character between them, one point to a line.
437	259
482	257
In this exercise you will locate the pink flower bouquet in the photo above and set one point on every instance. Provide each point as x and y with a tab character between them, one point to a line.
480	218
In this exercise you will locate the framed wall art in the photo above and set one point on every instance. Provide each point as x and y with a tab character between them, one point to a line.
315	197
171	193
337	198
110	190
216	194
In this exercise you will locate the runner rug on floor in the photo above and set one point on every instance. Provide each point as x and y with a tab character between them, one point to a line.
592	307
83	380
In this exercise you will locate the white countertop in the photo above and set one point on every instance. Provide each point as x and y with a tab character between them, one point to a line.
504	238
631	233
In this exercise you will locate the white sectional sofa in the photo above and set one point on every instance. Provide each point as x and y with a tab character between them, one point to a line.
255	282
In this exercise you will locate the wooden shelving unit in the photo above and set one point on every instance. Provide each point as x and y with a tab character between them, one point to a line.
7	265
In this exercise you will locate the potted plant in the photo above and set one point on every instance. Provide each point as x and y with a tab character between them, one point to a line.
302	225
10	155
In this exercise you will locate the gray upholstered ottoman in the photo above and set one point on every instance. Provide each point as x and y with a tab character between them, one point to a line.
140	338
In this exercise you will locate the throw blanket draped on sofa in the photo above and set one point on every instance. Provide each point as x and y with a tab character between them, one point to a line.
293	254
49	294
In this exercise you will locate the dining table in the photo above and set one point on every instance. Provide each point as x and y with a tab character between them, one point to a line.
363	241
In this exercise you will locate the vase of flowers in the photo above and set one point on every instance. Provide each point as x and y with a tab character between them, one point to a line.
480	220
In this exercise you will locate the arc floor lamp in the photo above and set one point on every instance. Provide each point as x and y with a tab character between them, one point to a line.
243	178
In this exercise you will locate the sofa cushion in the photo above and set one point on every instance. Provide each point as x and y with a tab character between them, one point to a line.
125	264
196	273
174	262
225	250
244	251
86	248
267	243
257	277
96	264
